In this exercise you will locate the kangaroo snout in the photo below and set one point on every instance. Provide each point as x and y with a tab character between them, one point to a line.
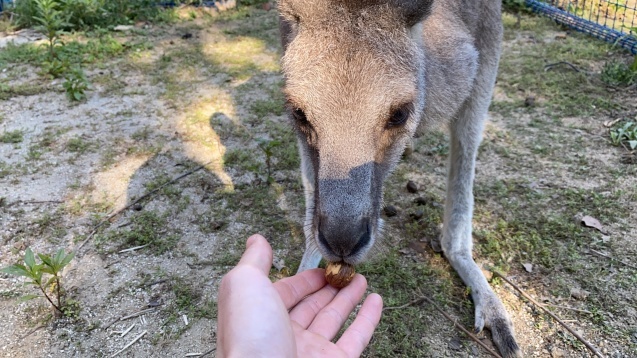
344	238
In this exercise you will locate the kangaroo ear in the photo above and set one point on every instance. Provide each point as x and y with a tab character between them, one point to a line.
290	11
413	11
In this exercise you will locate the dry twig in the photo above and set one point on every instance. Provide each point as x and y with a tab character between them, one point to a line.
567	308
424	298
551	65
568	328
136	314
133	249
31	332
152	192
130	344
35	202
208	352
612	258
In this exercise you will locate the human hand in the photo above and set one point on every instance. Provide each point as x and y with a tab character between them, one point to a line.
297	316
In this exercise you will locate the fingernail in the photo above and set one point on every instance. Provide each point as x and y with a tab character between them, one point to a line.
252	239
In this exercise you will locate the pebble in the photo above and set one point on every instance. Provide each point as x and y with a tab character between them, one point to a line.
418	214
529	101
420	201
390	210
412	187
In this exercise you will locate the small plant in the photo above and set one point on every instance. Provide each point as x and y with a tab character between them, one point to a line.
11	137
76	84
267	146
625	134
51	288
51	22
618	73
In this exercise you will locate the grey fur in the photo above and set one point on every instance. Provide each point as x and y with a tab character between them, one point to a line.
350	67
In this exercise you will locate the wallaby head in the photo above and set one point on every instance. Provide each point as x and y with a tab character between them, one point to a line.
355	94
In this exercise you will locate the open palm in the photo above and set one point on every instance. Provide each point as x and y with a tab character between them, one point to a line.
298	316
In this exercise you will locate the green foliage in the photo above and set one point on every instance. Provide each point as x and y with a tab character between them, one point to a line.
625	134
633	66
514	5
50	21
11	137
148	228
268	147
76	84
90	14
50	287
618	73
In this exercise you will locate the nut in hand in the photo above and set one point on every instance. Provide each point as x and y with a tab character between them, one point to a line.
339	274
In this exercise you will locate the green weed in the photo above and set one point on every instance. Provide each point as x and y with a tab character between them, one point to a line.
76	84
14	137
618	73
50	287
625	134
148	228
77	145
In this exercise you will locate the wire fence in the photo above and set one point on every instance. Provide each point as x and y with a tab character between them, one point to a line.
614	21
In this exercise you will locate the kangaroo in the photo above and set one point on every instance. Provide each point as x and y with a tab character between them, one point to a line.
361	78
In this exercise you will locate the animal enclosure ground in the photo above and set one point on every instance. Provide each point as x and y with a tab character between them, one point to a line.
207	90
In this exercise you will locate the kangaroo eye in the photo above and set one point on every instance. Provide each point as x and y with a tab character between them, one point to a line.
398	117
299	116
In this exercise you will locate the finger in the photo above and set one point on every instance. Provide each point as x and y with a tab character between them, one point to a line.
258	254
332	317
293	289
357	336
306	310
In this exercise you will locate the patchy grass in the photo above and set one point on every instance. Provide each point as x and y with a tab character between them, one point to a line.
12	137
146	228
540	69
77	145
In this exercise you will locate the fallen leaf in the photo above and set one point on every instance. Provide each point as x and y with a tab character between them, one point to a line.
590	221
528	267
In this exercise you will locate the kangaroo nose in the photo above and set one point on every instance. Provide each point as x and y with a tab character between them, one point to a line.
344	237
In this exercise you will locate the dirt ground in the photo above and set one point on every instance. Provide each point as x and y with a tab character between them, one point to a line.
206	92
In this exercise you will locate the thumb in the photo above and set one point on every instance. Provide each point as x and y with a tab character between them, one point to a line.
258	254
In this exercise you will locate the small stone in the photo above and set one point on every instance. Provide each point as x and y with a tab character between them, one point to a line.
138	207
412	187
557	353
420	201
435	244
455	344
579	294
417	215
529	101
528	267
390	210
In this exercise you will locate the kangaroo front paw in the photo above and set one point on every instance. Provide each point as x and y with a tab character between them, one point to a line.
490	313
